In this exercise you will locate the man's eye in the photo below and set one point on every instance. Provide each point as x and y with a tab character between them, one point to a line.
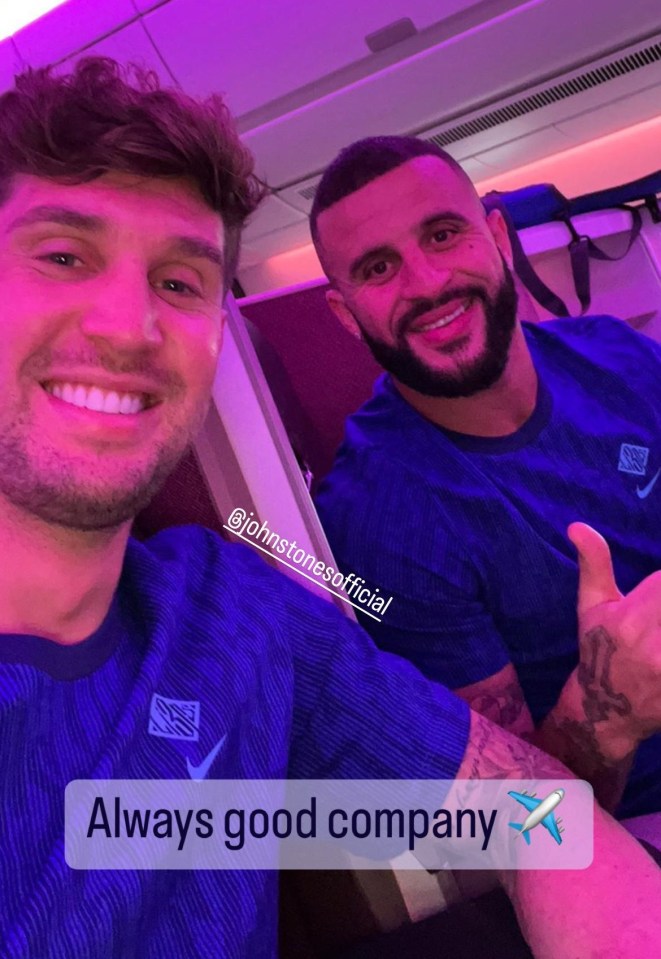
377	270
61	259
180	288
442	237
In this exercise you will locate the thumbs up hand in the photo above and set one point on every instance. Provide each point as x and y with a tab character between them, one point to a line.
596	580
619	671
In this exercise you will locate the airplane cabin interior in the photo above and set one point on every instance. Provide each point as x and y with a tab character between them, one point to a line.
521	93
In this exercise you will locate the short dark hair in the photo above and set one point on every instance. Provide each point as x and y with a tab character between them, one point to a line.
363	161
103	117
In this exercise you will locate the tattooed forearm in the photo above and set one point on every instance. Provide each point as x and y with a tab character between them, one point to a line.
506	707
576	744
500	698
494	753
587	730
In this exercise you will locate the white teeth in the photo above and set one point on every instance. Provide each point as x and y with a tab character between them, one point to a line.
112	403
129	404
95	400
444	321
98	400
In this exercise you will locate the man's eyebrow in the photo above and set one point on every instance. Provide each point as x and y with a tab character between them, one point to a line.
197	248
445	216
192	246
61	215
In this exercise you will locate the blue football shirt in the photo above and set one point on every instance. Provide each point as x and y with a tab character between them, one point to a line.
201	635
468	534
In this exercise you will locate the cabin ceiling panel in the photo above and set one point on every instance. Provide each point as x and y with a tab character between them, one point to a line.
10	63
130	45
248	259
614	116
259	52
586	104
144	6
69	28
526	149
411	96
260	248
300	195
271	215
490	139
475	169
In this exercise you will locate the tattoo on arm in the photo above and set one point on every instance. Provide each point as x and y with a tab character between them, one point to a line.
500	698
576	742
504	707
494	753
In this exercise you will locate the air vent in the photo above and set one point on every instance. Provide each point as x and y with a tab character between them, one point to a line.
548	95
309	191
618	67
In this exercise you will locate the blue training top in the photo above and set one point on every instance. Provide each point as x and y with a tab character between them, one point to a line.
468	534
296	689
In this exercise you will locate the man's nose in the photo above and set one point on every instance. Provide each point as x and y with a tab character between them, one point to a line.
422	276
123	311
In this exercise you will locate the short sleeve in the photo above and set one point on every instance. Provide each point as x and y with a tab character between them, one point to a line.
385	524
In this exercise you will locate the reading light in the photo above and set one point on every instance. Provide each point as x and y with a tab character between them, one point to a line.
13	16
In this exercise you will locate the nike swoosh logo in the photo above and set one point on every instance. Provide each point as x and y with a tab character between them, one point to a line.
646	490
202	771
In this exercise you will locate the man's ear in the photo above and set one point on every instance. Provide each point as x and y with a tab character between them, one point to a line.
336	302
498	229
222	322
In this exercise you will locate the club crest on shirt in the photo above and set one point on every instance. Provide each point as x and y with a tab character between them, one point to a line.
633	459
174	718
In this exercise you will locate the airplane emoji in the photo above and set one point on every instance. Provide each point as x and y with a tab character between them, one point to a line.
540	810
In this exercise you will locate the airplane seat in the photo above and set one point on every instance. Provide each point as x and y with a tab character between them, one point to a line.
319	374
183	500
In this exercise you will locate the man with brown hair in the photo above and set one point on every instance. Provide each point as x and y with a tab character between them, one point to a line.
119	226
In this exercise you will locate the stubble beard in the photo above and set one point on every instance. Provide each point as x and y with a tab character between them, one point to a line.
75	493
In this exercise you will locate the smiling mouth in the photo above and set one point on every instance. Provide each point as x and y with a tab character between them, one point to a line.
444	320
99	400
